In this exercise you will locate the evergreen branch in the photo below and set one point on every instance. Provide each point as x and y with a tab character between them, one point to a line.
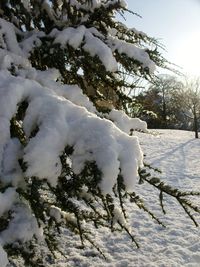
174	192
138	201
129	234
17	131
94	245
188	212
192	193
109	216
151	167
119	187
161	202
79	227
133	13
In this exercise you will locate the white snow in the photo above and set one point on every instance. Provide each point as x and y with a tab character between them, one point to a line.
8	38
176	154
95	47
71	36
22	227
7	199
92	44
62	216
56	213
133	52
26	4
12	173
73	93
118	216
63	123
3	257
32	39
125	123
64	116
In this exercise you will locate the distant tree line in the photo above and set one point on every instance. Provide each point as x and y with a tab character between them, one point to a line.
169	103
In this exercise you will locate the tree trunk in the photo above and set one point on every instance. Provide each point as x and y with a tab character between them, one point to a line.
164	106
196	124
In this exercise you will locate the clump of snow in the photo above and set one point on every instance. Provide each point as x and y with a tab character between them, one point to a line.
71	36
95	47
141	33
31	40
8	38
73	93
8	59
118	216
122	3
3	257
133	52
61	216
22	227
69	217
46	7
7	199
95	4
26	4
56	213
10	51
125	123
12	173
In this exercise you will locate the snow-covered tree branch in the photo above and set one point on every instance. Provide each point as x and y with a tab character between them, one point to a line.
63	162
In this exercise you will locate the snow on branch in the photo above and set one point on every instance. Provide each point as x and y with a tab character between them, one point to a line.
125	123
94	44
62	123
53	142
133	52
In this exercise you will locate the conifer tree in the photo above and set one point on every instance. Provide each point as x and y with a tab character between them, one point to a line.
68	158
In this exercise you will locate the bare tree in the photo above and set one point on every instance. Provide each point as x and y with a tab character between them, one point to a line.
191	99
161	98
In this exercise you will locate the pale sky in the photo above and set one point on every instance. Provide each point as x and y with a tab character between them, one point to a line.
176	23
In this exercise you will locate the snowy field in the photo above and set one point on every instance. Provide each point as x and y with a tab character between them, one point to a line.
176	153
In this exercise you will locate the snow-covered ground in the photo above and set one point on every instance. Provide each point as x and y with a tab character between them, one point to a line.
176	153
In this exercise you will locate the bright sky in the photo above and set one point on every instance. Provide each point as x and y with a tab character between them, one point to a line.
176	23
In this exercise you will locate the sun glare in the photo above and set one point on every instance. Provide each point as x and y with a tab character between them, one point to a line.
188	55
